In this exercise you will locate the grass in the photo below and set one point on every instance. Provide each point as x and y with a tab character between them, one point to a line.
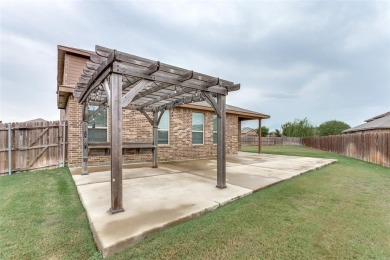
41	217
340	211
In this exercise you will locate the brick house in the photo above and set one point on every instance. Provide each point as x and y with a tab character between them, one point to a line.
188	131
247	131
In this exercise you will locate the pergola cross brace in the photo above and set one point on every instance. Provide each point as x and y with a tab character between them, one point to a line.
211	101
128	97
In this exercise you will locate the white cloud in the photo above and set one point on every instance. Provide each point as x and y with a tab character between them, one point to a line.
323	60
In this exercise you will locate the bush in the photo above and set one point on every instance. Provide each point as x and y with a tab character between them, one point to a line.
332	127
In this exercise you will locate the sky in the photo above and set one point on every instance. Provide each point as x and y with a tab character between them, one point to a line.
323	60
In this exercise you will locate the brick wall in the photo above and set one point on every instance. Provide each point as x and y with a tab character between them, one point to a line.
137	129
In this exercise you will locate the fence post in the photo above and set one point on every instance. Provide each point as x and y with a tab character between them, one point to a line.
9	150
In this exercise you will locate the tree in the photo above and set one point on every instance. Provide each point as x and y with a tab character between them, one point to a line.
298	128
332	127
264	131
278	133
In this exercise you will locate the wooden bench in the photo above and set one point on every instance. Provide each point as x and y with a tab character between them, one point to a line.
104	148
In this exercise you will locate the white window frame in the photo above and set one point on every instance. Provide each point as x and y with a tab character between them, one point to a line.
169	124
192	130
98	127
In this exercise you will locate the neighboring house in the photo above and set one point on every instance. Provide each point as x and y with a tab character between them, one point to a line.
187	131
247	131
36	120
272	134
380	123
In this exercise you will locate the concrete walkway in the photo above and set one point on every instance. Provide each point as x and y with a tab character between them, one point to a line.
177	191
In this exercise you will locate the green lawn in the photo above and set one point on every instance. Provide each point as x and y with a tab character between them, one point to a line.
41	217
340	211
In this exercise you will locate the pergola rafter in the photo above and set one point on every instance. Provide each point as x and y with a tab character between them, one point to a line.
124	81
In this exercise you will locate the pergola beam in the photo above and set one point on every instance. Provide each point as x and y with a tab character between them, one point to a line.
153	68
121	68
163	97
88	90
98	76
175	103
187	76
166	68
149	91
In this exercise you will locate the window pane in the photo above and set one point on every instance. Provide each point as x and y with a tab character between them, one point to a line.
215	138
164	122
97	135
197	122
214	123
100	118
197	137
162	137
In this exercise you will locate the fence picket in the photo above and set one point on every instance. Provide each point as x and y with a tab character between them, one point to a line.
270	141
34	144
368	146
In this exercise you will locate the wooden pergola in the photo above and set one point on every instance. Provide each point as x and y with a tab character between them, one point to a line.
119	81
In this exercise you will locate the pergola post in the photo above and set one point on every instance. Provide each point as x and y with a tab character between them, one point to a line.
221	144
84	163
259	134
155	138
239	134
116	143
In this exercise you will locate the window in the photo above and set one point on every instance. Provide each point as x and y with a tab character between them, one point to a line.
197	128
163	128
215	136
97	125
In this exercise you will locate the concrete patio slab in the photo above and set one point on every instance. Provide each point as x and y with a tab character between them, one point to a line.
104	176
156	198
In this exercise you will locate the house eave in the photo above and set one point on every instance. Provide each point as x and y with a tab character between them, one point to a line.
64	91
241	115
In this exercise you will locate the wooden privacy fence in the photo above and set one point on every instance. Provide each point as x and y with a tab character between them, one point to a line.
371	147
32	145
269	141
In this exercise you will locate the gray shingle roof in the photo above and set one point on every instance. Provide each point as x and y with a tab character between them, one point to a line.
246	130
230	108
378	122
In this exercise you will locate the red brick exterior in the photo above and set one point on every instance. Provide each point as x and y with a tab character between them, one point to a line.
137	129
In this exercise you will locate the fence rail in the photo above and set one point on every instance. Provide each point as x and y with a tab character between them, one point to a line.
372	147
270	141
32	145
